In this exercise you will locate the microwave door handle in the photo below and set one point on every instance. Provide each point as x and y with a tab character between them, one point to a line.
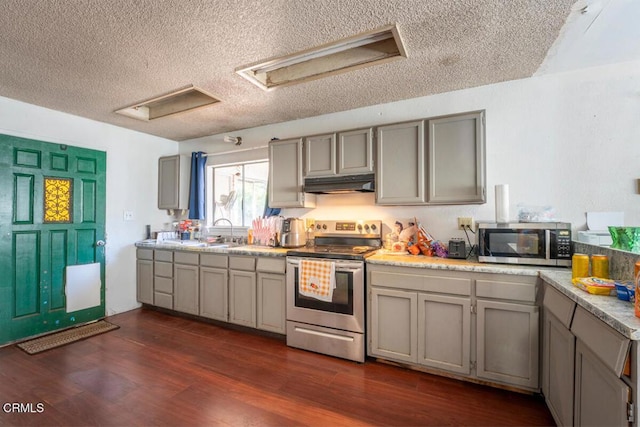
547	244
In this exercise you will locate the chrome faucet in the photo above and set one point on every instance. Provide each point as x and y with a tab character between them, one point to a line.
230	223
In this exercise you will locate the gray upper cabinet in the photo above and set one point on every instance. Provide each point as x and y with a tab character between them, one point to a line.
432	161
347	153
355	152
400	178
320	155
456	159
285	175
173	182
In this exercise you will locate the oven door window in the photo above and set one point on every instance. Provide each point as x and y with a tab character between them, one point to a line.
515	243
342	301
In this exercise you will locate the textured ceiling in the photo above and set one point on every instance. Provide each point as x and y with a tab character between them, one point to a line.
92	57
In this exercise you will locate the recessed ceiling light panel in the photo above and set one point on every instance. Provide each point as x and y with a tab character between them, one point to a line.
363	50
182	100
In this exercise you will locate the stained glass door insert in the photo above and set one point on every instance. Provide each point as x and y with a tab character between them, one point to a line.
58	194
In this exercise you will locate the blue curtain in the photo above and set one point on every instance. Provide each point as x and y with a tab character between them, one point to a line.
196	189
267	210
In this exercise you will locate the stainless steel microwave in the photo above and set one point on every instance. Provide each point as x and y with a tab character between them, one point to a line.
534	243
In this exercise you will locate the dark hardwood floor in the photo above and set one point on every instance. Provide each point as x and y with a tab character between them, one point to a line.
159	369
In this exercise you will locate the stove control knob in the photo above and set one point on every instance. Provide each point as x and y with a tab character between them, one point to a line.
366	227
373	227
318	226
359	227
324	226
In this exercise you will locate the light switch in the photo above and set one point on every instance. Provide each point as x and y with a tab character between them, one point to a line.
127	215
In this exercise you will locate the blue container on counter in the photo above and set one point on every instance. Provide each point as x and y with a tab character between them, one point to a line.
626	291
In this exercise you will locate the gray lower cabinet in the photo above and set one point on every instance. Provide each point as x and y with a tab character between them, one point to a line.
214	293
507	329
144	276
271	294
426	317
420	317
507	340
214	286
163	279
242	290
271	314
447	348
242	298
558	369
393	325
558	356
583	366
600	396
186	287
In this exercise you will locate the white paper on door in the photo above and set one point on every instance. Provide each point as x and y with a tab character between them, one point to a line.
83	286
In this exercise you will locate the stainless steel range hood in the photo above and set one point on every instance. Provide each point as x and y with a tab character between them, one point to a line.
340	184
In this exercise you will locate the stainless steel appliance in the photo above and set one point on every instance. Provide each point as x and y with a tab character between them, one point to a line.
293	233
535	243
457	249
364	183
335	327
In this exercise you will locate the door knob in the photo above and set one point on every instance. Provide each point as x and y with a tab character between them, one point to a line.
100	243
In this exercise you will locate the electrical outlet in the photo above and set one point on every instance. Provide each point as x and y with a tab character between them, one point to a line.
466	222
127	215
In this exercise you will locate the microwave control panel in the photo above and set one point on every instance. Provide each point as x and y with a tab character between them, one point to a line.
563	243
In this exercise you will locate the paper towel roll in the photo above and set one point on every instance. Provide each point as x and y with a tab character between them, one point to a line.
502	203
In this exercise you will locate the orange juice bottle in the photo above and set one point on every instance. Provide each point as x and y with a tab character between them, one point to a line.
636	278
579	266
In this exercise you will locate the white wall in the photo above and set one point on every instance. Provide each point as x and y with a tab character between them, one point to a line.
566	140
132	170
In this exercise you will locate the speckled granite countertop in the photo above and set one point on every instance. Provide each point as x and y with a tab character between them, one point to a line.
232	250
612	311
434	263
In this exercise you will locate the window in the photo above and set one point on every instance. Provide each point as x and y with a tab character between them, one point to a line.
237	192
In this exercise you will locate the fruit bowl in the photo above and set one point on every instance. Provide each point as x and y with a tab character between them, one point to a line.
625	238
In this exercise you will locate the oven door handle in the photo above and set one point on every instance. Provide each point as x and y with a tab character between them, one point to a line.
347	269
340	266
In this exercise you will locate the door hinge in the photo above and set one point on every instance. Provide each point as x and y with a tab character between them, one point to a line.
630	412
473	365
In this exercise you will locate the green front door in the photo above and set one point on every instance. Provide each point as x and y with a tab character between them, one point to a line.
52	215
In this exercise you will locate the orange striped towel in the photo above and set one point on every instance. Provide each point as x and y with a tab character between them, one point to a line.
317	279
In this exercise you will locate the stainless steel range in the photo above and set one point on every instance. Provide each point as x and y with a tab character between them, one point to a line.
325	288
